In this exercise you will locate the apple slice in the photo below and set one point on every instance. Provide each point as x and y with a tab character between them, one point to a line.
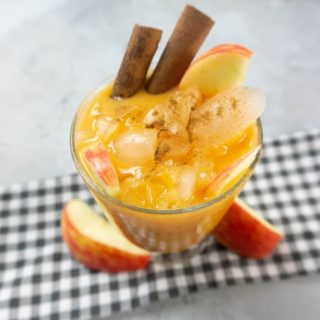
98	159
230	174
220	68
96	243
227	48
247	234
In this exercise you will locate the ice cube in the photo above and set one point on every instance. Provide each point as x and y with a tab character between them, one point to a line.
226	115
186	182
172	146
174	115
96	109
136	146
105	128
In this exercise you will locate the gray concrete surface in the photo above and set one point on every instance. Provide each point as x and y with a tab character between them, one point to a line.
53	52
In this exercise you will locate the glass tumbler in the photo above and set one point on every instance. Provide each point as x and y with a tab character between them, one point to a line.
162	231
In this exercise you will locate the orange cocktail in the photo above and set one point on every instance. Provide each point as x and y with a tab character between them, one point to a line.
162	201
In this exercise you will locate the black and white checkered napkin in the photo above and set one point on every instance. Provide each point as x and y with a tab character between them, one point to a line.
40	280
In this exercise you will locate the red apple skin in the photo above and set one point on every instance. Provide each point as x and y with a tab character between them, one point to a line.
96	256
229	48
248	235
218	69
101	165
231	172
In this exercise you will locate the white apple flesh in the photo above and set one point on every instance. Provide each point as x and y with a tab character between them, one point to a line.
96	243
218	69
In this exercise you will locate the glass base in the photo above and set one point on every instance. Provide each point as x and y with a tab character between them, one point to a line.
182	257
168	259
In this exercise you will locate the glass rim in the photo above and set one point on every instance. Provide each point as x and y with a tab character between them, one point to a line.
88	180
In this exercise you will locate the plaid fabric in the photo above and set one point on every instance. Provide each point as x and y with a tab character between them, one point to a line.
40	280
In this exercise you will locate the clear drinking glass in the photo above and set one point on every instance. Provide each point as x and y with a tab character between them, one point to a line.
164	231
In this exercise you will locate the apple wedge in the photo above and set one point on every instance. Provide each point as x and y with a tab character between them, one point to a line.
99	161
247	234
218	69
229	48
230	174
96	243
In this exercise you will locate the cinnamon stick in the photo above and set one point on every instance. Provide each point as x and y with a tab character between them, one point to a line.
186	39
141	48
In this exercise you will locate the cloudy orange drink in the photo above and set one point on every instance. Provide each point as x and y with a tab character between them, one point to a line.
154	167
